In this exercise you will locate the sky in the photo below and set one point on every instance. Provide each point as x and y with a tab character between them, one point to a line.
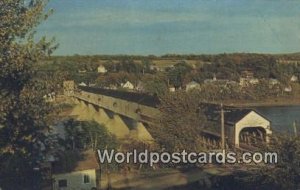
157	27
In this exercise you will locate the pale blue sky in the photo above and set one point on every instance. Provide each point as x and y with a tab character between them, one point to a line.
173	26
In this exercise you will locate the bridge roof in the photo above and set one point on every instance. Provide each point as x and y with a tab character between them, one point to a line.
140	98
231	114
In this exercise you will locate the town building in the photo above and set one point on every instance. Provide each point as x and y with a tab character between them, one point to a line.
288	88
127	85
192	85
172	89
273	82
82	84
247	78
101	69
294	78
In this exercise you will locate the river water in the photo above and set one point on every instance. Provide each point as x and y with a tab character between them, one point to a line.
282	117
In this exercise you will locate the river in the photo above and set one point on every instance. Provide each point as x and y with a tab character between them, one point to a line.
282	117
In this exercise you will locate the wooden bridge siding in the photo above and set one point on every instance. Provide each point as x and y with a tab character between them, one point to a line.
119	106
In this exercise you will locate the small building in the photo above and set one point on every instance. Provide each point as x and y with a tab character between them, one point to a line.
112	87
294	78
85	175
82	71
101	69
273	82
247	78
172	89
128	85
253	81
288	88
82	84
192	85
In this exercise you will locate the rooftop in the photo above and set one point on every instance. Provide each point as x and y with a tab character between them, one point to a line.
140	98
231	114
83	161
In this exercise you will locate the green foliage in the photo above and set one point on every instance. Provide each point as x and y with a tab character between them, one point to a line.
155	84
23	110
286	173
176	75
68	160
88	135
180	123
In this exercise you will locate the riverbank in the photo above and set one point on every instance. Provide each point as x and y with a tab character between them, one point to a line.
287	101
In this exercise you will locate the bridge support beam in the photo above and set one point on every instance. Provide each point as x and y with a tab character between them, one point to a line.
121	126
117	126
81	110
140	132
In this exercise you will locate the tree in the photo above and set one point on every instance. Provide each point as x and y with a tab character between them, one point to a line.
23	110
155	84
146	66
181	122
85	135
97	136
88	135
176	75
286	173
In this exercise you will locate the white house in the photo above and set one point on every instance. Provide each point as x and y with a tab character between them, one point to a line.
294	78
172	89
128	85
288	89
82	84
192	85
101	69
273	82
85	176
253	81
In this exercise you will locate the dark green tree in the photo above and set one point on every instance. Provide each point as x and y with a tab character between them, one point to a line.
286	173
23	110
82	135
176	75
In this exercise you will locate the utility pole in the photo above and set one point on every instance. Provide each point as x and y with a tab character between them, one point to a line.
223	138
295	129
222	127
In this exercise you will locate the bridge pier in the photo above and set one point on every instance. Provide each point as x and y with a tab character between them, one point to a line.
141	133
82	111
122	117
117	126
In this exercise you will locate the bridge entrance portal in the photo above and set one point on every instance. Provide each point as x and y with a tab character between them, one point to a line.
252	136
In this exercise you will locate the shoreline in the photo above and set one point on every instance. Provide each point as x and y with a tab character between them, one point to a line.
267	103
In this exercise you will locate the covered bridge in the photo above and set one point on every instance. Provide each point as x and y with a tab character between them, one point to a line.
242	126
